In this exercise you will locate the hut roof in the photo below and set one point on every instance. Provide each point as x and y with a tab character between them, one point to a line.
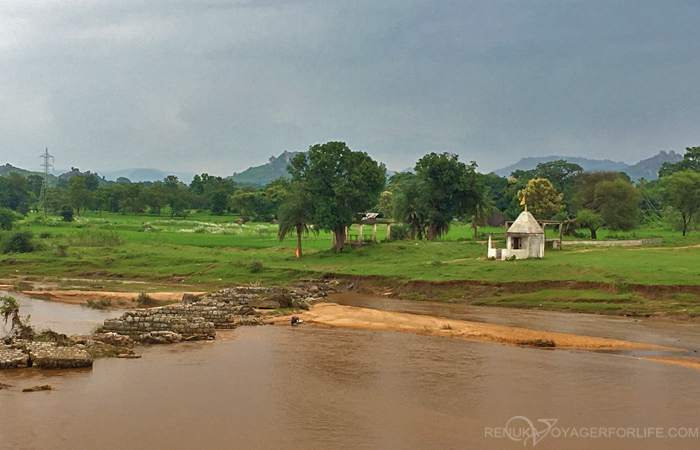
525	224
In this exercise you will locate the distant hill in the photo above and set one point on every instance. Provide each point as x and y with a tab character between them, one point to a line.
589	165
260	176
137	175
8	168
649	168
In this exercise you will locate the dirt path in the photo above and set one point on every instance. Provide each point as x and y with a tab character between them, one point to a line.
77	297
666	248
334	315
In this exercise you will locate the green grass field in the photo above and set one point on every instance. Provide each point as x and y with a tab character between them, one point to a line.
209	252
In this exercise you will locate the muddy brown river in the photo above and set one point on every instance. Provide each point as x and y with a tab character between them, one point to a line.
329	388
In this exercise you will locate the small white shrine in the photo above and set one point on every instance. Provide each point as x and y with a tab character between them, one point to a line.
524	239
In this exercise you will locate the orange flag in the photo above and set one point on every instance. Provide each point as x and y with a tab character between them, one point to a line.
296	252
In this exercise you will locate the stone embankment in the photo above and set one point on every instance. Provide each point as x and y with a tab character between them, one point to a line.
197	317
43	355
51	350
11	358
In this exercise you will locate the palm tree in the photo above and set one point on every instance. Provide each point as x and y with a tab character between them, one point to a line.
295	214
482	209
410	208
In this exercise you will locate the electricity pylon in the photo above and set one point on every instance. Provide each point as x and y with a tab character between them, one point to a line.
45	185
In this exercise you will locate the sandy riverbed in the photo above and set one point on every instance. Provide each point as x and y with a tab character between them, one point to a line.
334	315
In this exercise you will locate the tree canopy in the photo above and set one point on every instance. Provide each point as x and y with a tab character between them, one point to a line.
541	198
690	161
342	182
450	189
682	192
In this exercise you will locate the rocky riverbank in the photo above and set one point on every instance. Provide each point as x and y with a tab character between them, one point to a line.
197	317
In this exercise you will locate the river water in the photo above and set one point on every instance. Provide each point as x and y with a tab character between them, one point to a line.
322	388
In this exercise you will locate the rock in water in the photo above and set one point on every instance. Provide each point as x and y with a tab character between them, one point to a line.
264	304
45	356
160	337
45	387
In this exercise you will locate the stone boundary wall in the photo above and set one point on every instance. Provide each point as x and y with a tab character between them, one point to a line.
195	320
146	321
614	243
11	358
42	355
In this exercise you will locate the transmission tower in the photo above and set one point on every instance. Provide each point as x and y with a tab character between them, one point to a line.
45	185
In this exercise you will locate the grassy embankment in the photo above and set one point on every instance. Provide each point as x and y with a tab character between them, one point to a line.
195	256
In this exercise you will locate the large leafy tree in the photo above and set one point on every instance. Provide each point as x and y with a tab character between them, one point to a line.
14	191
682	192
212	192
585	189
541	198
498	187
560	173
78	193
155	197
450	189
618	204
342	183
590	219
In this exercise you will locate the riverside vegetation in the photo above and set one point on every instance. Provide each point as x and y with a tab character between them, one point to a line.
163	253
98	235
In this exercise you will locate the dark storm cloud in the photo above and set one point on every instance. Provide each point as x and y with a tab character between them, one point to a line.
218	86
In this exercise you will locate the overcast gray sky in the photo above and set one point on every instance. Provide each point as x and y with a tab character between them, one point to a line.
216	86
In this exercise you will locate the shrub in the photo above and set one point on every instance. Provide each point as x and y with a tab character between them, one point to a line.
45	235
255	267
60	250
102	303
399	232
7	218
18	242
146	300
23	208
148	228
67	213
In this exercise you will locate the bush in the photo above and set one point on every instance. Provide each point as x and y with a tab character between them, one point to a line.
102	303
146	300
67	213
255	267
60	250
7	218
18	242
23	208
399	232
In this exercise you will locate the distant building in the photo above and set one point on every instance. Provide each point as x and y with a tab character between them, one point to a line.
524	239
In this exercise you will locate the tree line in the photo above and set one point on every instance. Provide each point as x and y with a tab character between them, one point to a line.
330	186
